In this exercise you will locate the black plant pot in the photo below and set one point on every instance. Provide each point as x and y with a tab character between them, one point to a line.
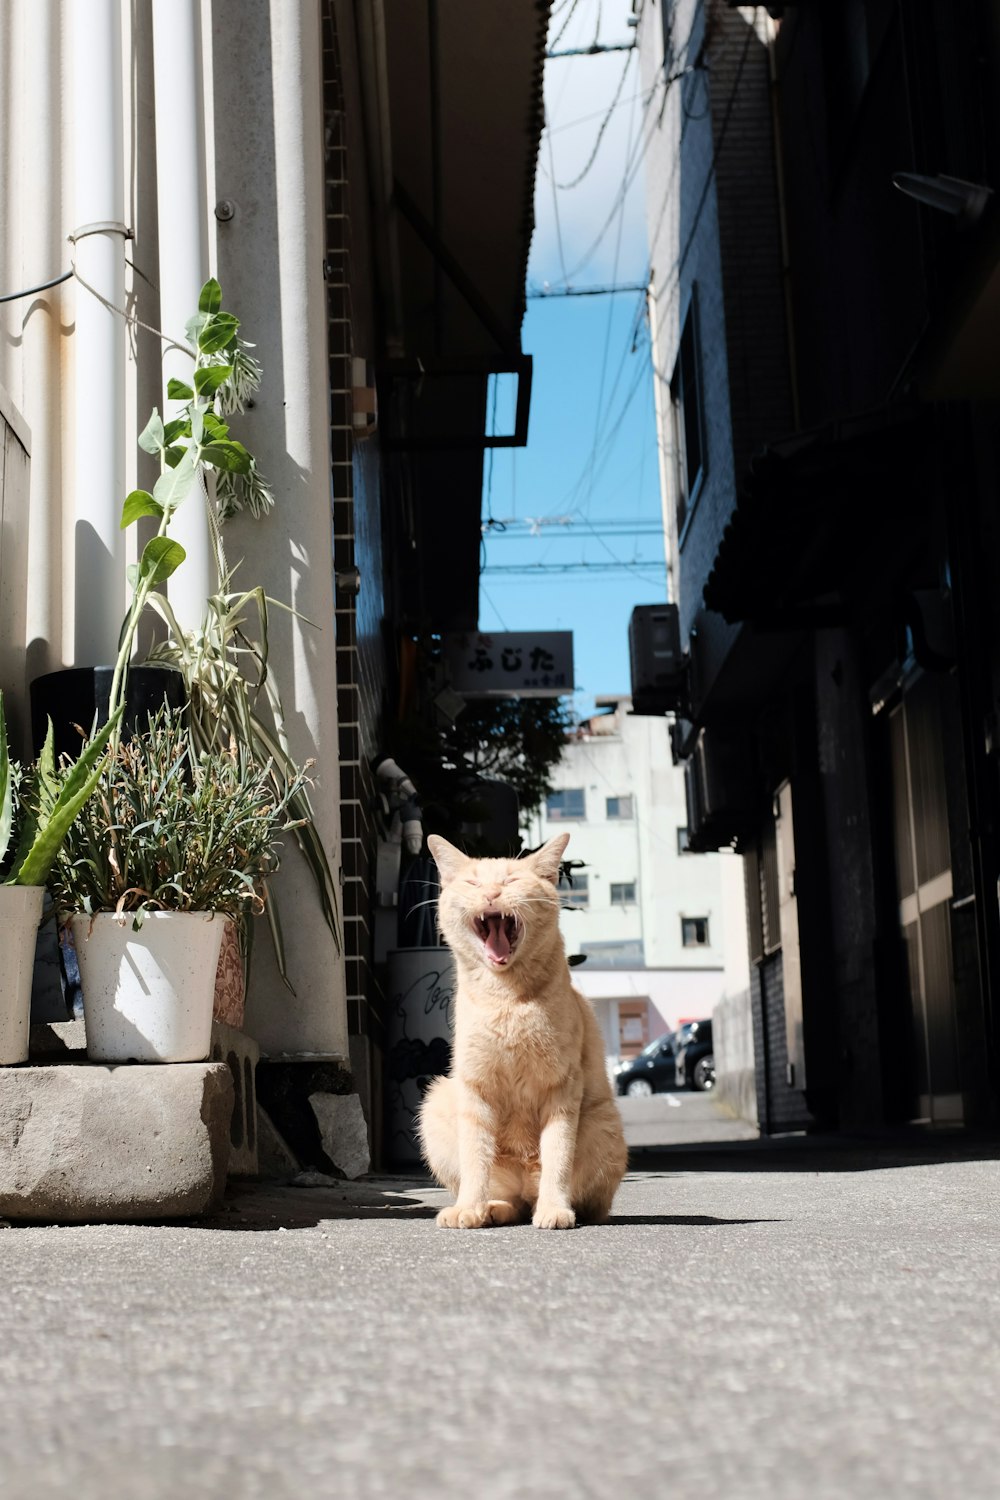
74	695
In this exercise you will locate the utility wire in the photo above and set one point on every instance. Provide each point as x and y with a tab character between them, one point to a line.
562	30
31	290
565	187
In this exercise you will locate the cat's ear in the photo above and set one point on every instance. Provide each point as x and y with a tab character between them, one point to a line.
546	860
449	860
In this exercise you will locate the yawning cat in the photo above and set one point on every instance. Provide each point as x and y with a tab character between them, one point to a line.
525	1124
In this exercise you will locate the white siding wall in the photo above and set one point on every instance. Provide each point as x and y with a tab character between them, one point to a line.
624	755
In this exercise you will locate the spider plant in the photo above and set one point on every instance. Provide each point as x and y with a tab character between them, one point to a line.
40	805
172	829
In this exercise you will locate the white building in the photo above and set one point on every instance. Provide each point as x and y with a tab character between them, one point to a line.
663	930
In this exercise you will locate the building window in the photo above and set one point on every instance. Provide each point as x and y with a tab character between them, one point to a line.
694	932
683	840
623	894
562	806
578	891
686	402
619	807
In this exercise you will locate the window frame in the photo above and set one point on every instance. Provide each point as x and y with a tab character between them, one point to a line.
566	817
625	885
579	887
619	817
690	921
688	376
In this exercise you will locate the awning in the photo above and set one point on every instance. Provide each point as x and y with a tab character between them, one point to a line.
466	115
818	519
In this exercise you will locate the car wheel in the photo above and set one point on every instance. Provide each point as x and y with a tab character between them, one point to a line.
639	1088
704	1073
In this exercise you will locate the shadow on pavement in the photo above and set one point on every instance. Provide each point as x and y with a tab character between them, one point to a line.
693	1221
908	1147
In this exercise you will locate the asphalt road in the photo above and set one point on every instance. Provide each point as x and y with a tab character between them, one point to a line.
774	1320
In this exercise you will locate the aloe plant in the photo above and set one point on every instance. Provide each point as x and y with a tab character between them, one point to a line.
46	804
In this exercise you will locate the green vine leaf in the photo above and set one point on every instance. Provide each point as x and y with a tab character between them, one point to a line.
174	484
151	436
210	297
139	503
229	455
178	391
160	557
219	331
208	379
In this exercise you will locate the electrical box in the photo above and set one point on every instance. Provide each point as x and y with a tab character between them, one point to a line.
659	667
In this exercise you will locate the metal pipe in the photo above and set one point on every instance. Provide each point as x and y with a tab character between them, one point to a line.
99	256
182	220
370	28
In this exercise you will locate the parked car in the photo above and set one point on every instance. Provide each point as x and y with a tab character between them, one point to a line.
651	1071
694	1062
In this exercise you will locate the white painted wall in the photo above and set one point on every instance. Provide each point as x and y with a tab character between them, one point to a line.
262	147
619	754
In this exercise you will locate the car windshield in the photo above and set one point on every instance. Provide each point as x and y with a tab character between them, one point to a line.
655	1045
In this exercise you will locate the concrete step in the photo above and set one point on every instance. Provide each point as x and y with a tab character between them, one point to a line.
89	1143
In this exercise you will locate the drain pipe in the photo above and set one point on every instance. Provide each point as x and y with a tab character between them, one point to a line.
99	344
182	229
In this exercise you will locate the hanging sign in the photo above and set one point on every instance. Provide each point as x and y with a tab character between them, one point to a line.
511	664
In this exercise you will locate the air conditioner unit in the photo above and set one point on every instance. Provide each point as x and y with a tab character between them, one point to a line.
659	666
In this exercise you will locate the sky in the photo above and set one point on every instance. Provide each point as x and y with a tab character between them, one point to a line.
586	487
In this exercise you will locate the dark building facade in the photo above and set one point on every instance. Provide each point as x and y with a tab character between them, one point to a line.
834	540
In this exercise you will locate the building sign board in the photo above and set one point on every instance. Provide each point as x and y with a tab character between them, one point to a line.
511	664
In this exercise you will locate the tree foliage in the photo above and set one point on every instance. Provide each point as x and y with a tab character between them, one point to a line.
515	740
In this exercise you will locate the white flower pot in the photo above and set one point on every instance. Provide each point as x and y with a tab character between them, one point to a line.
20	914
147	995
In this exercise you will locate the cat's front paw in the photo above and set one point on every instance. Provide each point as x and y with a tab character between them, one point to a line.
554	1215
465	1216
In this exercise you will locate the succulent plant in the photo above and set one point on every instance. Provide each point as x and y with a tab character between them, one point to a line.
38	805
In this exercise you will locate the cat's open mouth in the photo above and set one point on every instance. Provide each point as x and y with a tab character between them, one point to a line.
498	934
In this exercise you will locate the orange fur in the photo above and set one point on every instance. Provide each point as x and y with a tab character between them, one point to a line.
525	1124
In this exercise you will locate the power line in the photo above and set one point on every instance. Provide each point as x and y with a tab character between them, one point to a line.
566	186
593	50
540	293
579	565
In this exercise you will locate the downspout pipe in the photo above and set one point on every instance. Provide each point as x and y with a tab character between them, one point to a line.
370	29
99	344
182	229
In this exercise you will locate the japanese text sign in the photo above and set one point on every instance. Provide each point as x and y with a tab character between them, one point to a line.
511	664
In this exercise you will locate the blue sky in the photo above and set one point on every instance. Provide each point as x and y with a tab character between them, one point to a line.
589	473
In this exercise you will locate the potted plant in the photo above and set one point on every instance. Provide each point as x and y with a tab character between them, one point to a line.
37	808
172	843
223	666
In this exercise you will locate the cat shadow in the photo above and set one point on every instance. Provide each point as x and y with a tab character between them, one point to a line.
693	1221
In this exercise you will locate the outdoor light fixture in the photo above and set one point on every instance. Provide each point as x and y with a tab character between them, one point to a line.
965	200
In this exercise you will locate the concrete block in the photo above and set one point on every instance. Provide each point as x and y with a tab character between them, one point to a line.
343	1131
241	1055
86	1143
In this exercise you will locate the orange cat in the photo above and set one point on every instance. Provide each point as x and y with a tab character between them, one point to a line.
525	1124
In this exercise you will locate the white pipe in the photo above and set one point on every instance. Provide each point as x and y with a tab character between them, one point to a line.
99	256
182	215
